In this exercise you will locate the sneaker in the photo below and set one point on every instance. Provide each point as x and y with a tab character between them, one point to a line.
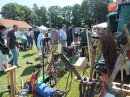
10	63
19	66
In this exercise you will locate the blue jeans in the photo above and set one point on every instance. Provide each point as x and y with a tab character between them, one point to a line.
24	42
63	43
30	41
15	53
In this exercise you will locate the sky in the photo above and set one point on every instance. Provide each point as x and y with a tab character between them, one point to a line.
46	3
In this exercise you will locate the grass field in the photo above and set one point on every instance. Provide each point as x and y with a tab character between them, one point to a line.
26	70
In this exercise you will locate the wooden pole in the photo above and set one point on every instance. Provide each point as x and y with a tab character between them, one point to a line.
12	84
88	48
92	63
127	34
92	60
8	80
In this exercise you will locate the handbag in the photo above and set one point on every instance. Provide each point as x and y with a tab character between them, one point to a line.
4	49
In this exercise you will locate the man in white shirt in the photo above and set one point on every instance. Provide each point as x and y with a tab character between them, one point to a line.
39	42
63	35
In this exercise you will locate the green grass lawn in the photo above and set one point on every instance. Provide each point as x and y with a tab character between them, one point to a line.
26	70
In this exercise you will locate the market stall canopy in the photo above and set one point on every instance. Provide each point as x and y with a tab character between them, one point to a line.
102	25
43	27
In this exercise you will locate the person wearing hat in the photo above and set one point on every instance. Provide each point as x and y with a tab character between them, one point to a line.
83	38
63	36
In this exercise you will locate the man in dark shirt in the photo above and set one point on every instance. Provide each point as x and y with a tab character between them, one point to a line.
2	29
83	38
12	44
36	33
69	34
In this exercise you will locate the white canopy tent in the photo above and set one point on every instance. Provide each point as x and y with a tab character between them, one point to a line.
102	25
43	27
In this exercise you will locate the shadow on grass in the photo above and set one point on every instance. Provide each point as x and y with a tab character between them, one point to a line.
27	71
28	55
2	74
37	59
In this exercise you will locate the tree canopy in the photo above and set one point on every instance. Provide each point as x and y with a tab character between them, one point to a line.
78	15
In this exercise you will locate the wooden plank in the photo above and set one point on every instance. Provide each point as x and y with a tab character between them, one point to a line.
10	69
127	34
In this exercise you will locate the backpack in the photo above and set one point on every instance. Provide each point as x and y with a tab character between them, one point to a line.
45	91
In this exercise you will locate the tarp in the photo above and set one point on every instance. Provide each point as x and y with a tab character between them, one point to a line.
102	25
124	16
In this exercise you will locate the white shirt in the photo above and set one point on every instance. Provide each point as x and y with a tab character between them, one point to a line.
63	34
39	40
49	35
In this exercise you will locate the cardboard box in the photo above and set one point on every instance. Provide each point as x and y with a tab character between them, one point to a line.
81	63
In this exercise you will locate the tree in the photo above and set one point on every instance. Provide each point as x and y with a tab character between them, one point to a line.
43	15
56	18
85	14
40	15
16	12
75	15
98	9
9	11
26	13
79	15
33	19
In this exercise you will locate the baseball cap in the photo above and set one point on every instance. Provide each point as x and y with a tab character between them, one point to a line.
86	26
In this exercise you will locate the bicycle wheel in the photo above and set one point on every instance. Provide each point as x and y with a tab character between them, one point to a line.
5	93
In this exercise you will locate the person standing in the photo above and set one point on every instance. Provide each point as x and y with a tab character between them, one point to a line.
69	34
29	36
83	38
55	36
12	44
31	39
23	38
2	56
36	33
39	42
63	35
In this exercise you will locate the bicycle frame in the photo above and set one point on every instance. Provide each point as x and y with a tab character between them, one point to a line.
103	86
